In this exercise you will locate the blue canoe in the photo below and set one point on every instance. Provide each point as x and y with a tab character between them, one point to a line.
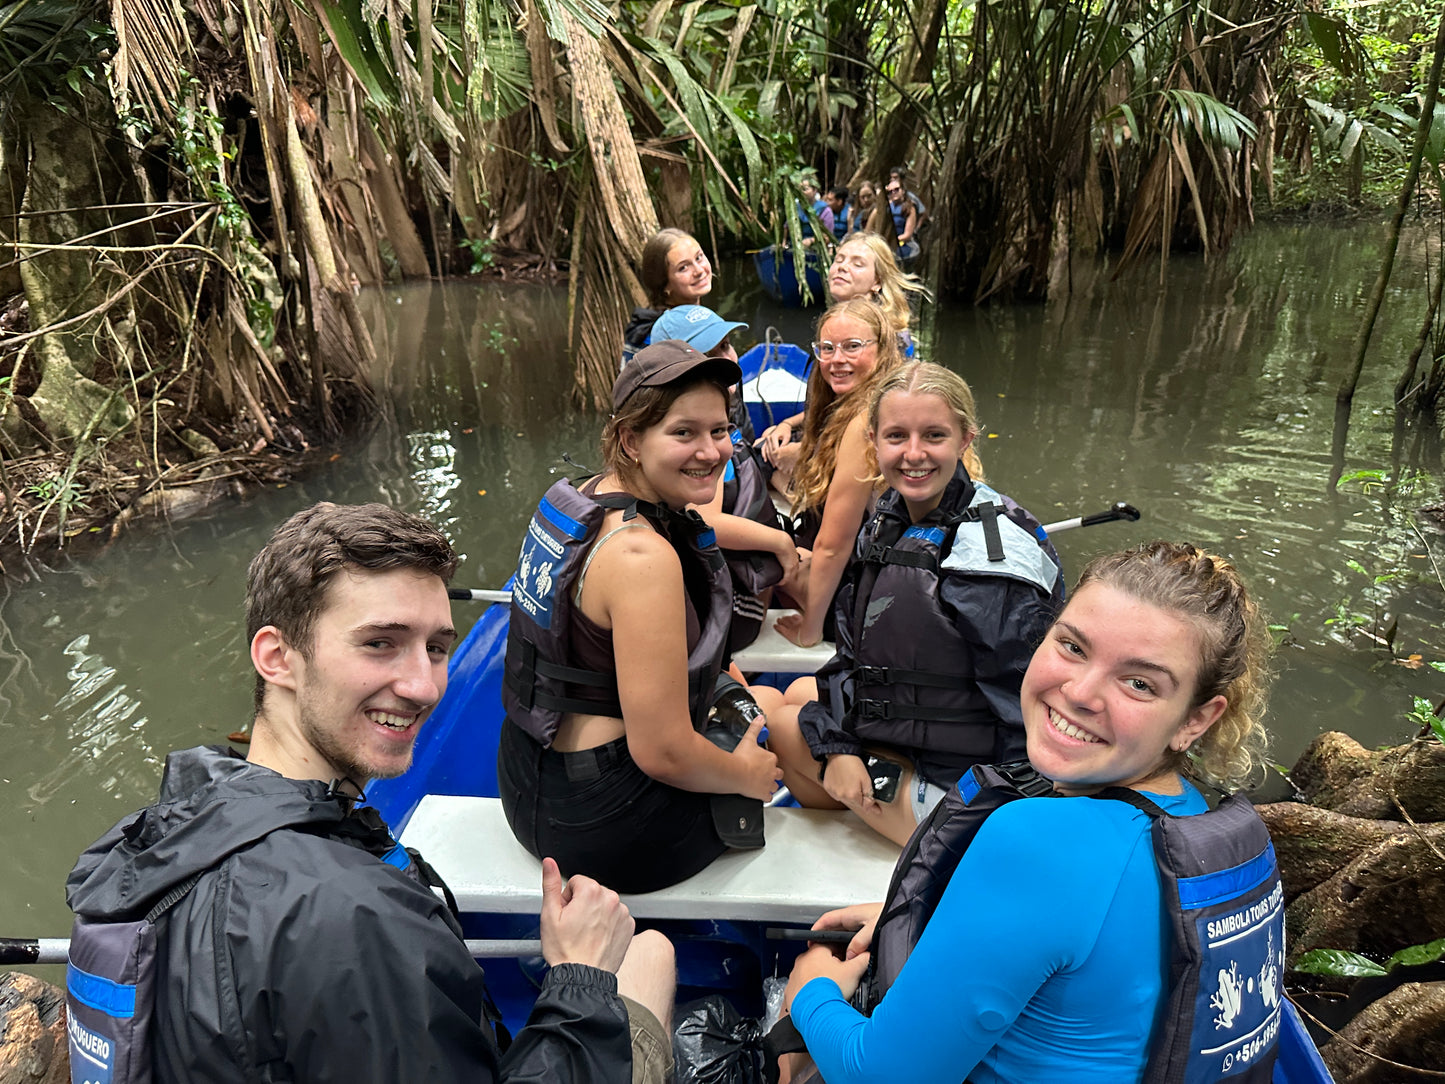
778	274
721	948
775	381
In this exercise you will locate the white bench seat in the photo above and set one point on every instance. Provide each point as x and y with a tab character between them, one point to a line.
772	652
815	860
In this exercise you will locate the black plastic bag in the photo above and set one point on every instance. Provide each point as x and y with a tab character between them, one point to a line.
712	1044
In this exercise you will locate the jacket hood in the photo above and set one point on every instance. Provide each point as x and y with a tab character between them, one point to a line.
212	803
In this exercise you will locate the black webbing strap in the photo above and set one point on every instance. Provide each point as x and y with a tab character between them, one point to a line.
524	685
988	518
782	1038
892	675
886	709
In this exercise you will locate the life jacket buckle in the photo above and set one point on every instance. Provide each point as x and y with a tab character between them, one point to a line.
872	675
873	709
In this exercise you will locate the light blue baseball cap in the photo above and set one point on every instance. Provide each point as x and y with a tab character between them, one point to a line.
696	325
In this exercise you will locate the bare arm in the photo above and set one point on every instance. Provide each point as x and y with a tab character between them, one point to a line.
740	533
636	581
910	224
843	512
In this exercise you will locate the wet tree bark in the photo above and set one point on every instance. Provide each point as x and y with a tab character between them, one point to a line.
1363	867
32	1031
1405	1028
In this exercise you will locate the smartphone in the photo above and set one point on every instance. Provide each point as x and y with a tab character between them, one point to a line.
885	775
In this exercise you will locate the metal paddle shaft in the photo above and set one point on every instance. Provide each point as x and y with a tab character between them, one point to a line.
18	951
1119	511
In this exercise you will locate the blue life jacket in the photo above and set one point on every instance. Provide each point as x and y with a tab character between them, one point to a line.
540	683
1223	900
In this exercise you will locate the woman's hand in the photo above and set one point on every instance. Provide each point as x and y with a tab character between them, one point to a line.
797	628
795	579
761	773
774	437
862	917
819	962
847	780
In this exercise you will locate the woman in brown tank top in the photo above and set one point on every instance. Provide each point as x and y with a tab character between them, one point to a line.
624	799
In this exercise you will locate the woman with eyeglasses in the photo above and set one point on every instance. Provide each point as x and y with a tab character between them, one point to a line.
857	348
897	218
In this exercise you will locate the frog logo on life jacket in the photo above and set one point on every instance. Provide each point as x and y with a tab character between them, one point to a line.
534	587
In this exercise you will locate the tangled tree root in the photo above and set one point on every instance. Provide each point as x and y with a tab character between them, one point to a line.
1364	870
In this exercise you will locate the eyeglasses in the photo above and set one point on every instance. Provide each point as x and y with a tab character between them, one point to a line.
894	191
849	348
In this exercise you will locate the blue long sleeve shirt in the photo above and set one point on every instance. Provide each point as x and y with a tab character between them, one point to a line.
1045	962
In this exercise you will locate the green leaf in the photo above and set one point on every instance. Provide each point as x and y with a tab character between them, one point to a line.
1438	666
1325	33
1418	954
1337	962
351	35
1357	567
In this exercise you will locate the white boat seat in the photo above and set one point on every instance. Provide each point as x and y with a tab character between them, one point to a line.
815	860
772	652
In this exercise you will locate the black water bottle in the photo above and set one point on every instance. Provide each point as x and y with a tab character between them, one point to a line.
733	711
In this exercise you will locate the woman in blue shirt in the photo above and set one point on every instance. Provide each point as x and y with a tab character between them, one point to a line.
1047	958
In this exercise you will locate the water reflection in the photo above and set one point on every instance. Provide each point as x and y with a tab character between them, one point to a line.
102	728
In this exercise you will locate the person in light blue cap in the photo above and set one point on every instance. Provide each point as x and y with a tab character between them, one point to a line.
759	552
707	332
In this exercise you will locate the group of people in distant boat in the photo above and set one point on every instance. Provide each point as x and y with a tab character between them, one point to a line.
1044	756
899	218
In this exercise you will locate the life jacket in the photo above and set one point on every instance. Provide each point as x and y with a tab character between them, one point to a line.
110	977
638	332
746	494
900	219
840	221
539	683
1222	894
913	684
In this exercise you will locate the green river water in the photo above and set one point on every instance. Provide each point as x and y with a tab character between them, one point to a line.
1205	400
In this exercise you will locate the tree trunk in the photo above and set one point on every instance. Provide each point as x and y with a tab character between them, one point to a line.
1313	844
893	143
70	170
1404	1029
1336	772
33	1047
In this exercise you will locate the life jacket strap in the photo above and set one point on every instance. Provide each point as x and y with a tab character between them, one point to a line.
892	675
886	709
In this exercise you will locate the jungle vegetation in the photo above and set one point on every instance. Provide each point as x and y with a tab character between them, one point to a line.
191	192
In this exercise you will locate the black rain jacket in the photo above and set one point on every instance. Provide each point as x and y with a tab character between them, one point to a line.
300	955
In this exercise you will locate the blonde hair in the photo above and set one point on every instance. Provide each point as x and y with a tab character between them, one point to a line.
826	416
640	411
893	283
1234	648
926	378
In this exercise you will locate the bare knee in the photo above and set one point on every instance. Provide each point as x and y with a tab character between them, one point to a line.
648	975
801	691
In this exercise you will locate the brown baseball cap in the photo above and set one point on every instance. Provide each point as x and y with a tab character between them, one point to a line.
664	362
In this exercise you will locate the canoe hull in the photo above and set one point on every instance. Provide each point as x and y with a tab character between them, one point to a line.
777	272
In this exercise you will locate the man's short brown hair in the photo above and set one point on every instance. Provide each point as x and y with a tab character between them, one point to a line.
286	582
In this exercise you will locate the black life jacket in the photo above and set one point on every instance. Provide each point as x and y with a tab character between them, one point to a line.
746	494
539	685
110	977
638	332
1222	893
914	684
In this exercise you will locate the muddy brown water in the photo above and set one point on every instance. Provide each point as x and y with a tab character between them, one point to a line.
1205	400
